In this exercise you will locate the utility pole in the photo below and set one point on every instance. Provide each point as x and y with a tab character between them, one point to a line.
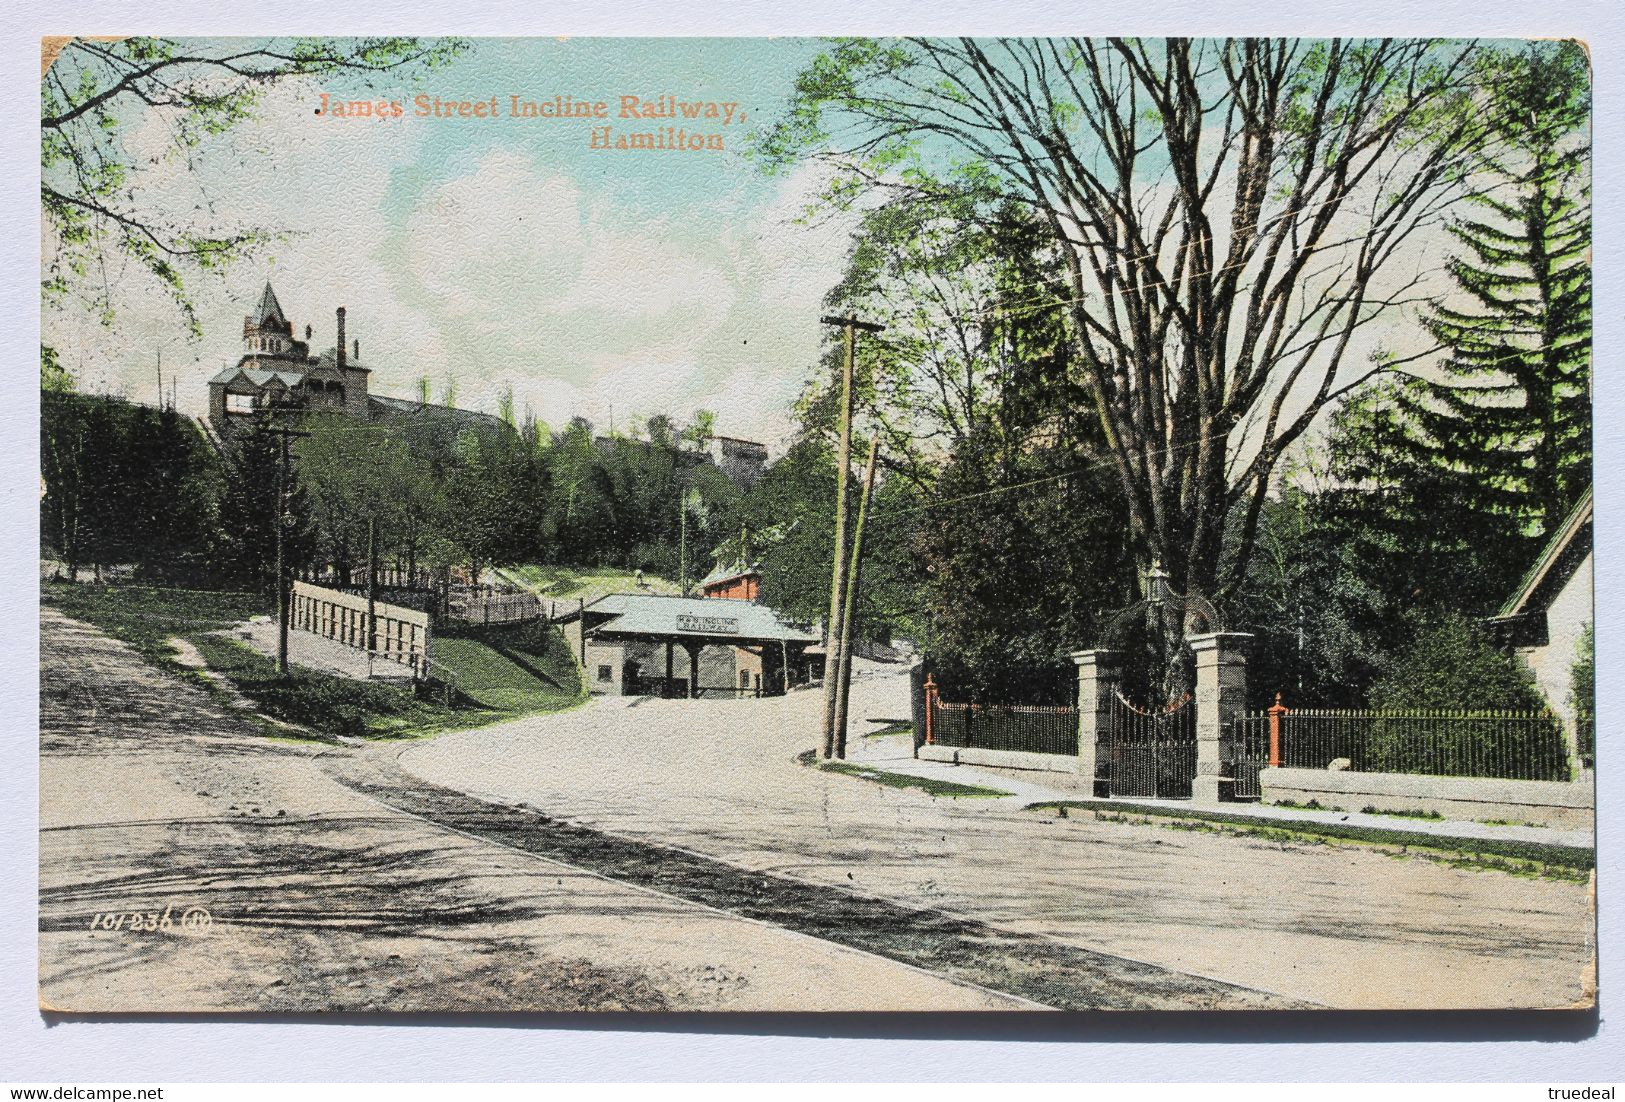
682	538
849	611
160	378
281	519
843	463
372	584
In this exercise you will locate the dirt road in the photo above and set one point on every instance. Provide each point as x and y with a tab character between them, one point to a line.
157	801
1311	924
649	855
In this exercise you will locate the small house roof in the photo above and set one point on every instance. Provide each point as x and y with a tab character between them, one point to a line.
229	375
1557	561
729	573
714	617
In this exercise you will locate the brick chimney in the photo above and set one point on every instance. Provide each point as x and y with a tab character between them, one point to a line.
340	345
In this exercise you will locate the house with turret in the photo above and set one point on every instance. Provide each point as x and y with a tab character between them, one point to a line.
276	370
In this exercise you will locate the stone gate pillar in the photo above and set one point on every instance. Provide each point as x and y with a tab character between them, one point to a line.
1100	673
1221	692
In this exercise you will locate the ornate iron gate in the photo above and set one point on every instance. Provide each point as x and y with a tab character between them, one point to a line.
1150	753
1245	751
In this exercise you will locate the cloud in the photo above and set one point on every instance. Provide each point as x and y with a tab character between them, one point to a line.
586	310
509	271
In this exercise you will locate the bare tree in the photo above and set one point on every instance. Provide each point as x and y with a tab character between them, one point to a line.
1228	215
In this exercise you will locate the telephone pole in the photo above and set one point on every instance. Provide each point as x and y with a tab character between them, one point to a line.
281	520
372	584
843	463
854	576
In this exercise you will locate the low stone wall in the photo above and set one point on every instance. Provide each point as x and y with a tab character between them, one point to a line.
1561	804
1002	759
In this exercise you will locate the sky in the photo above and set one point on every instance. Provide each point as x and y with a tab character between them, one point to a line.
489	254
496	253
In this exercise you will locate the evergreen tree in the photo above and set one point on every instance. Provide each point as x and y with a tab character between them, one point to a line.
1514	411
1472	469
245	550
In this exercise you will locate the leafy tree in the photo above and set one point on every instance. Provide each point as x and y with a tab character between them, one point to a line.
92	187
53	377
1583	696
786	521
963	351
70	515
582	509
785	525
980	410
353	474
125	484
1325	614
1451	664
1019	580
1480	463
245	542
1429	542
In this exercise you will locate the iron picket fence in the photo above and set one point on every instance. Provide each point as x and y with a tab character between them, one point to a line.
1034	728
1149	753
1245	753
1506	745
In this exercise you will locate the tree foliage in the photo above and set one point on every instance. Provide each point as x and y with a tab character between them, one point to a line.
1433	493
1452	665
784	526
1018	581
93	185
125	484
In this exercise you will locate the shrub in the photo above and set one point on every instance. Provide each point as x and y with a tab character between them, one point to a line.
1451	667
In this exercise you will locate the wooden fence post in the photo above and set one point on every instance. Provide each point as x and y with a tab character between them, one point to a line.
930	711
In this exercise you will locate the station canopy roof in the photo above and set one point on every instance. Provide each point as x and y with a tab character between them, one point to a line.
690	617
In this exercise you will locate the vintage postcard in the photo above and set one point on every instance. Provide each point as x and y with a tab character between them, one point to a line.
903	524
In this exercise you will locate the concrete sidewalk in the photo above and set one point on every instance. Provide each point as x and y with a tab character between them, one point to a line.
895	754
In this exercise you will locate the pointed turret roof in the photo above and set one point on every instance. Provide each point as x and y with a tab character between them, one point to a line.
270	308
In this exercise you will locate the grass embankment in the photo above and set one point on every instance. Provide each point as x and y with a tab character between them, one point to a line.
586	583
502	671
1527	858
928	785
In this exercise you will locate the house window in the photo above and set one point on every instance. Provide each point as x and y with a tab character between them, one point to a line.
606	673
239	403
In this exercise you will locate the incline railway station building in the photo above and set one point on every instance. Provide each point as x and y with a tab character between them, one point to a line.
638	644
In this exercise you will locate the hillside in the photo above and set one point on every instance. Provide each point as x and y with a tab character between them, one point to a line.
583	583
